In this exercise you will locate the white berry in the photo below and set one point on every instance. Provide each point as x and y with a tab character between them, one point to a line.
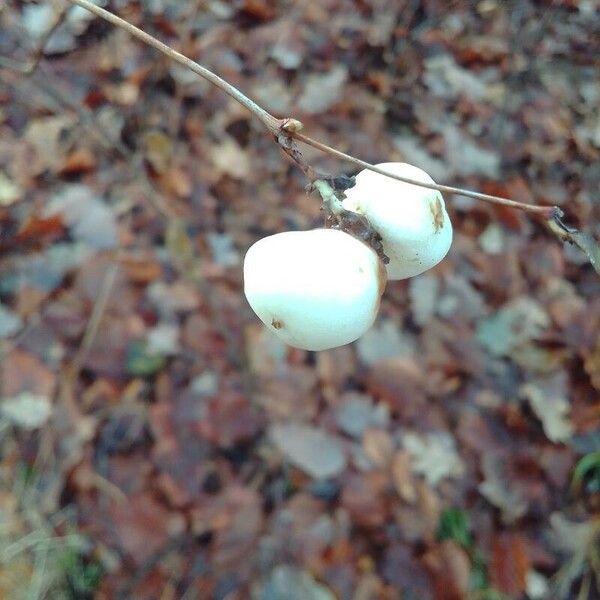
413	223
314	289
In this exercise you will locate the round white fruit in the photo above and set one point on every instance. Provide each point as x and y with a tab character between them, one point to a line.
413	223
314	289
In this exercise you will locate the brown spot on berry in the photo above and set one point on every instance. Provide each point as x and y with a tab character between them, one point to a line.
437	212
276	323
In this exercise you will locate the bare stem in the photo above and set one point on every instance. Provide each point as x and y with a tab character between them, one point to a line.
91	329
546	212
284	129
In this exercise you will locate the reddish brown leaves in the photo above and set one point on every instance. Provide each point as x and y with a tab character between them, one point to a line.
283	470
233	518
400	384
363	497
450	569
37	229
509	564
229	419
141	525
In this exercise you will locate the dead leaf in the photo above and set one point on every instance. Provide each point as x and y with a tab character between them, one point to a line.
467	157
424	296
80	160
89	218
356	412
378	446
10	192
45	136
412	150
314	451
40	228
446	79
577	542
24	372
497	490
323	90
142	268
223	249
181	248
592	366
400	384
450	567
515	324
385	340
171	299
548	400
362	497
163	339
158	149
234	517
433	455
230	158
26	410
291	583
583	240
10	322
143	526
402	477
570	537
37	18
229	420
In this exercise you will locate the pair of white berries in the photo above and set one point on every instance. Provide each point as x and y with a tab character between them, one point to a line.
320	289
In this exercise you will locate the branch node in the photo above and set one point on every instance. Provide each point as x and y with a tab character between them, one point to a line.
291	125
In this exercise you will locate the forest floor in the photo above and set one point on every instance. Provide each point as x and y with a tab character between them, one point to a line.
157	442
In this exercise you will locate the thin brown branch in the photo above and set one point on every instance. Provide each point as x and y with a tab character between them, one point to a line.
547	212
94	322
73	369
70	407
290	128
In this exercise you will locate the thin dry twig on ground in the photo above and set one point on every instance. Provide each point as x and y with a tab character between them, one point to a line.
94	322
71	372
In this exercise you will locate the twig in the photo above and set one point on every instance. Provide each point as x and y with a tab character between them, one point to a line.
291	127
97	312
71	372
547	212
